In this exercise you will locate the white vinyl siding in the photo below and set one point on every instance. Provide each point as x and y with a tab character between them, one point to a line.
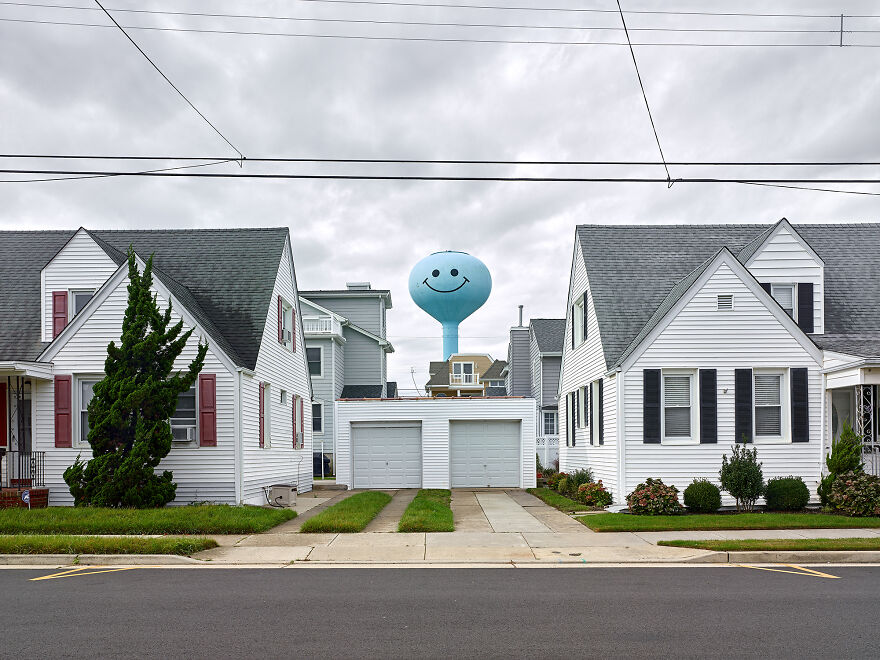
363	359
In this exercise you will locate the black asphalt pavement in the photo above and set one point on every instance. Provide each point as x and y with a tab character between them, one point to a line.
442	613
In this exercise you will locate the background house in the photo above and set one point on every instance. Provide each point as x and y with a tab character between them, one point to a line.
466	374
347	353
245	425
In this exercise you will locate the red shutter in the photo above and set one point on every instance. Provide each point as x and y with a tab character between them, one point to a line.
262	411
207	410
3	423
63	413
280	322
59	312
293	419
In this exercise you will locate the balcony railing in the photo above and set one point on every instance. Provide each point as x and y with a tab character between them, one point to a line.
22	469
324	325
465	379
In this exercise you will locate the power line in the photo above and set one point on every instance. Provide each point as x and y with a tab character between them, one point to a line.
168	80
438	23
101	176
360	37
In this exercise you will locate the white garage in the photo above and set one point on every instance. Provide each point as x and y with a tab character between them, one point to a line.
386	454
446	442
484	454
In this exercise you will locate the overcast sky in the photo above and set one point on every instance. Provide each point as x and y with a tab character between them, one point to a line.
67	89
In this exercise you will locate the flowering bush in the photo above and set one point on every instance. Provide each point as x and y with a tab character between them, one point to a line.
856	494
554	479
594	494
654	498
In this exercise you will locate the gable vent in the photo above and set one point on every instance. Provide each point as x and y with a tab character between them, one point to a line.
725	302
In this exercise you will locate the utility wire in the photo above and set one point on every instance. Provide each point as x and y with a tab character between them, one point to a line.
360	37
310	19
101	176
644	96
168	80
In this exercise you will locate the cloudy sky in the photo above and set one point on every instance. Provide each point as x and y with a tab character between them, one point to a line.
86	90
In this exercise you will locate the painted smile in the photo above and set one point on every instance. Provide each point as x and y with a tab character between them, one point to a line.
466	280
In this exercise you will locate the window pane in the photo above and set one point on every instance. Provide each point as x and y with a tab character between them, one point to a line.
456	368
677	390
767	390
678	422
313	356
87	391
768	420
185	413
80	299
468	368
784	295
317	421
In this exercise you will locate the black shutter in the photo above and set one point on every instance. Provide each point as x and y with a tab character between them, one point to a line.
601	414
743	405
708	406
584	318
651	406
588	393
766	287
805	306
800	406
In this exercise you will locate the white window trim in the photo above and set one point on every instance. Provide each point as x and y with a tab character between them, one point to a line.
77	440
311	348
461	375
286	317
555	417
794	298
71	303
267	416
694	438
577	326
584	415
186	444
785	409
317	403
594	412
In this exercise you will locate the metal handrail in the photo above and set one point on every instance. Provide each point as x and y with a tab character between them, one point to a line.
22	469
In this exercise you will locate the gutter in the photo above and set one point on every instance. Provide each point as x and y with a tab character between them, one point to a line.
865	362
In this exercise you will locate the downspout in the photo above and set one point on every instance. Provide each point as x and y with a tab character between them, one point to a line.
621	440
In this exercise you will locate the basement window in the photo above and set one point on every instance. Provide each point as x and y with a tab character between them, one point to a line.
725	302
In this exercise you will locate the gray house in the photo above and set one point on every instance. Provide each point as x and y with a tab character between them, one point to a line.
534	358
347	355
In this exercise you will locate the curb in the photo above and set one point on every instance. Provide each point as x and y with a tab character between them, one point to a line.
96	560
805	557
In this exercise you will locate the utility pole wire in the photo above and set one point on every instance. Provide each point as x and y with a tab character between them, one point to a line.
168	80
644	95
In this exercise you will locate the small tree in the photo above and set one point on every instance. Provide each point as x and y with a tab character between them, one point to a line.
129	428
742	477
845	456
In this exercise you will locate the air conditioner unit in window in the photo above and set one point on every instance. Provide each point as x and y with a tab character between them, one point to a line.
300	440
287	336
282	495
183	433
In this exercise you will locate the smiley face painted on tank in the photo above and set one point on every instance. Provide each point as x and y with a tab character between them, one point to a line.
450	286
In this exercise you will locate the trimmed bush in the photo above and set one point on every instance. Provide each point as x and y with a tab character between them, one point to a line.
654	498
845	456
702	496
577	479
742	477
554	479
594	494
856	494
787	494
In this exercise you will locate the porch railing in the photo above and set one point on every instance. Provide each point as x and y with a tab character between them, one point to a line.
465	379
22	469
322	326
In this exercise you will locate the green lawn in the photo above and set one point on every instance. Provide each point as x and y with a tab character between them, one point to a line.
207	519
779	544
556	500
428	512
30	544
624	522
350	515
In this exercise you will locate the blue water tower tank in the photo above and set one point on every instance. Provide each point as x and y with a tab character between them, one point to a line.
450	286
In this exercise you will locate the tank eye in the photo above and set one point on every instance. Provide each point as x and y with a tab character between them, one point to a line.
454	272
435	273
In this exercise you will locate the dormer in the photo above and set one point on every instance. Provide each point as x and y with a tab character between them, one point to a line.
790	270
69	281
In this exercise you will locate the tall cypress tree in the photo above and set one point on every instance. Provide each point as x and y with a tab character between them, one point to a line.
129	427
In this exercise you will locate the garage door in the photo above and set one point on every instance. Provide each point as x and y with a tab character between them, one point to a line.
484	454
386	455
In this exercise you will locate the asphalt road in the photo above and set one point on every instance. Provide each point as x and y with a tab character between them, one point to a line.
442	613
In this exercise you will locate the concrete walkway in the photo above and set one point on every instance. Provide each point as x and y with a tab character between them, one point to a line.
389	517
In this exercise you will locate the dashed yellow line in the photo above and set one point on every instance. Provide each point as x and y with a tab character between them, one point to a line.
76	572
799	570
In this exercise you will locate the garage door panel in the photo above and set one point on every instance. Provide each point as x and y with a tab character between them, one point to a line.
386	456
484	453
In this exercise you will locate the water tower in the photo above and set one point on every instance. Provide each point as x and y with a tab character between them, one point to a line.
450	286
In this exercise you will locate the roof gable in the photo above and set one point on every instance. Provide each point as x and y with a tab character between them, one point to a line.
549	334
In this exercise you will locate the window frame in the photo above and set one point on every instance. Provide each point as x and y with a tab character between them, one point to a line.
584	416
594	412
195	441
577	321
71	301
286	324
694	437
320	361
554	416
319	417
78	441
794	299
784	437
472	374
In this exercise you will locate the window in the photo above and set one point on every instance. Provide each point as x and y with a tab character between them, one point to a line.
583	408
318	417
314	356
463	372
725	302
183	421
283	397
267	416
286	324
768	405
78	300
551	426
784	295
577	323
677	406
86	392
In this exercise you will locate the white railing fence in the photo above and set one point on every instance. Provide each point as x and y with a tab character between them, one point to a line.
465	379
547	447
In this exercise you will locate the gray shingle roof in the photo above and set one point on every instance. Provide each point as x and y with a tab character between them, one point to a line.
549	334
494	370
633	269
224	277
496	391
362	392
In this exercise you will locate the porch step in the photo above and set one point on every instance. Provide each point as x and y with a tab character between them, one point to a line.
323	485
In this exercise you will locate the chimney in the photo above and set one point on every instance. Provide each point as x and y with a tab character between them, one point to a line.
358	286
520	315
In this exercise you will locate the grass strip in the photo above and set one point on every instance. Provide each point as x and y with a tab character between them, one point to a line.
58	544
350	515
624	522
556	500
203	519
428	512
779	544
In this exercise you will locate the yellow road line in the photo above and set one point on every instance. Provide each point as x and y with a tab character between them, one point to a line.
83	571
800	570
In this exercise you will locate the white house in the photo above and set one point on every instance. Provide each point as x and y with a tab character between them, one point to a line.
683	339
246	424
